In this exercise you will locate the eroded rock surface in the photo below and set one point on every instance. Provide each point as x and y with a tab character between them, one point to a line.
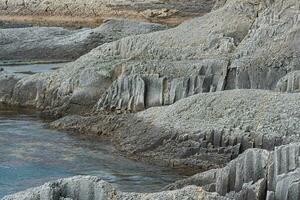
92	188
210	129
255	175
200	47
205	54
53	43
241	44
176	10
203	131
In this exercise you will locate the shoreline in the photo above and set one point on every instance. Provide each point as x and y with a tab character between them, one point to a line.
76	22
205	94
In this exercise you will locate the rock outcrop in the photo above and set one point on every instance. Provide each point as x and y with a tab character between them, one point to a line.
250	135
289	83
92	188
270	49
201	47
208	130
255	175
138	92
7	84
205	54
59	44
172	11
203	131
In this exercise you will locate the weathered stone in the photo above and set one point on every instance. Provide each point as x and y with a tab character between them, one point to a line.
53	43
92	188
173	11
289	83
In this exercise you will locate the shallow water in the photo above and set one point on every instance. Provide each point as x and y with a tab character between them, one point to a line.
31	68
31	154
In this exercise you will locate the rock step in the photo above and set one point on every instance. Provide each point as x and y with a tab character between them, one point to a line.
140	91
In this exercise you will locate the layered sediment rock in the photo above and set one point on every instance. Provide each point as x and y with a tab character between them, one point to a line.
205	54
211	129
201	46
255	175
176	10
138	92
270	49
51	44
92	188
249	44
289	83
7	84
203	131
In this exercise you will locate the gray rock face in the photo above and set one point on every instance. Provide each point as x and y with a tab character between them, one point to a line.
7	84
138	92
249	44
199	47
284	173
255	174
92	188
205	54
289	83
142	9
206	180
275	32
203	131
52	43
208	130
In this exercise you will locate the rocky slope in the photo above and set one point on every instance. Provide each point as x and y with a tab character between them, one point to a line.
203	131
92	188
56	44
171	11
255	175
169	65
205	54
180	86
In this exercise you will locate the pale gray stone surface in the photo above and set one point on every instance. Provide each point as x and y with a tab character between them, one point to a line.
210	129
54	43
200	47
241	44
205	54
92	188
106	8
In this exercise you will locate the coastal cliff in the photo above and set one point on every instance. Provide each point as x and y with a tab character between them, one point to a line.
217	93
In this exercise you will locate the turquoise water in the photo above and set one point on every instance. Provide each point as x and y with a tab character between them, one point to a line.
31	154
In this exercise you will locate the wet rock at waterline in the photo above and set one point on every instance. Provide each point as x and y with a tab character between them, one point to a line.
203	131
240	136
256	174
7	84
